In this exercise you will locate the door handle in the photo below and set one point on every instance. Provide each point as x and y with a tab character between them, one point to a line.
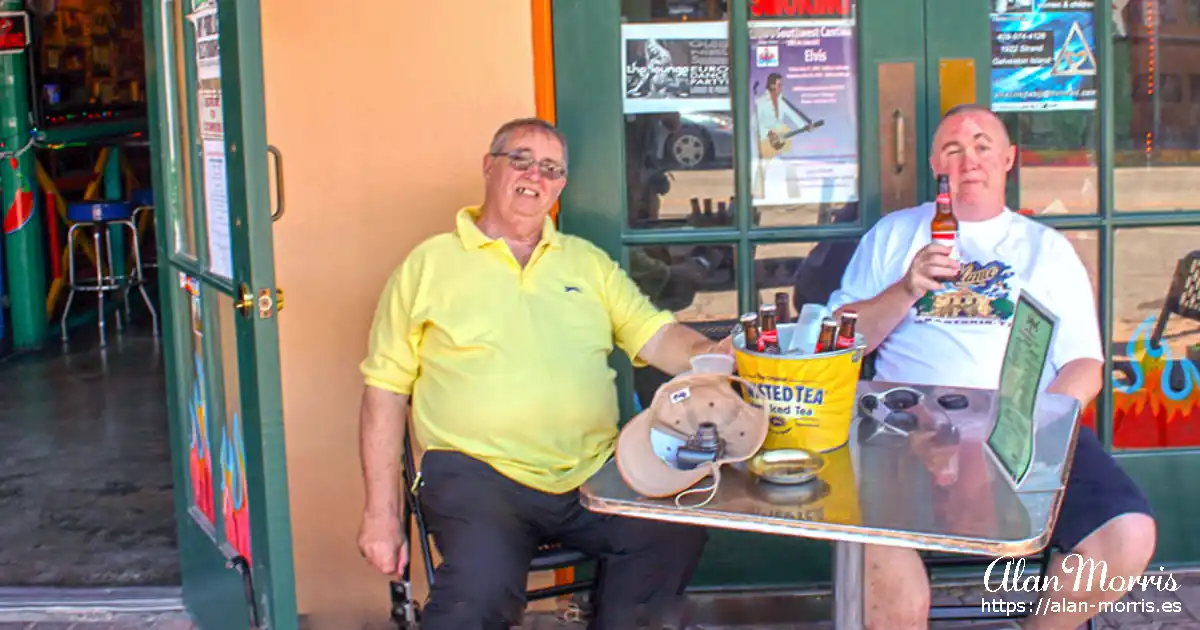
278	155
245	302
898	133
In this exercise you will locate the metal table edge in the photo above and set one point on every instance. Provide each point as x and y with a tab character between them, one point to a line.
832	533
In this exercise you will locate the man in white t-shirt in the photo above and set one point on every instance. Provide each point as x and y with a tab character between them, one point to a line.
940	333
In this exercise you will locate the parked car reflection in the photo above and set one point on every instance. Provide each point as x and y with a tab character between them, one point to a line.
703	140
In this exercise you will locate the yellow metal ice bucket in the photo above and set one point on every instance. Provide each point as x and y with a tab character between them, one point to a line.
809	397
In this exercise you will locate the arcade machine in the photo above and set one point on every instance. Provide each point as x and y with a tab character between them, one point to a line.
80	134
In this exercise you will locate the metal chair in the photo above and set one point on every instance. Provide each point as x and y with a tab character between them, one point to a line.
1183	298
975	612
143	203
406	612
98	216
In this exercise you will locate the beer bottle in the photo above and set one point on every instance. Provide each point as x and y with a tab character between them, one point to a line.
944	227
845	336
827	342
750	328
768	336
782	314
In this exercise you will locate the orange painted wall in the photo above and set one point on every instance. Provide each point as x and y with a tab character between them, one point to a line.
383	113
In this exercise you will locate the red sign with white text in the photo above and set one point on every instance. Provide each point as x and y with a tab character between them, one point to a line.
800	8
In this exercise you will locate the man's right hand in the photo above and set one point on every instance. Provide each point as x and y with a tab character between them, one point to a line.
383	544
930	264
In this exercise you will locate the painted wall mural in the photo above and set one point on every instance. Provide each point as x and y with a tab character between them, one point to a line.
200	466
199	453
1156	395
234	505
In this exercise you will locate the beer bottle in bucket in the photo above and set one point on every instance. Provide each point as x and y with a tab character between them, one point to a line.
944	227
782	314
828	339
845	337
750	329
768	334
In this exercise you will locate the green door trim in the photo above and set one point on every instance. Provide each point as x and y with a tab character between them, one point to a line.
258	347
214	574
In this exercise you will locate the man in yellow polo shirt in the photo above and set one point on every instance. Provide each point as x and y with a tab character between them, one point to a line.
498	335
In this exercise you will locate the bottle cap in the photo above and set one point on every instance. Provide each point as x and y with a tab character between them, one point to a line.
849	314
767	309
749	318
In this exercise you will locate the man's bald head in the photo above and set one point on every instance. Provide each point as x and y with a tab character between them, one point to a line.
973	147
976	109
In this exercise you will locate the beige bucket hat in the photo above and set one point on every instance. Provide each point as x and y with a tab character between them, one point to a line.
679	409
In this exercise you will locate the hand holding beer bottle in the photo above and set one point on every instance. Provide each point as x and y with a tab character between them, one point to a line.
936	263
930	269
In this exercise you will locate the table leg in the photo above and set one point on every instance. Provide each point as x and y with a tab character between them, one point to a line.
848	577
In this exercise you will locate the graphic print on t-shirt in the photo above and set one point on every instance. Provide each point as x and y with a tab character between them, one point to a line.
982	294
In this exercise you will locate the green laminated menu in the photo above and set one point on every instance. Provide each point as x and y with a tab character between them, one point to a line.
1012	437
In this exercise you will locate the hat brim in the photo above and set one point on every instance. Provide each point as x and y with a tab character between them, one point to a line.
642	469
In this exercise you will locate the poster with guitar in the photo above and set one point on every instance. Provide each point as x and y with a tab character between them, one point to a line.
803	112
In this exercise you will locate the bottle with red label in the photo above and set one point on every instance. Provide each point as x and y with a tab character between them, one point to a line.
828	339
768	334
846	331
944	227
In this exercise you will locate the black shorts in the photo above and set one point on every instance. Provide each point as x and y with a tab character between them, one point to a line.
1098	490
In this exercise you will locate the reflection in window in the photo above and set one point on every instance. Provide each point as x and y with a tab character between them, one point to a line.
678	123
808	272
696	282
1087	247
1156	108
1056	170
1156	338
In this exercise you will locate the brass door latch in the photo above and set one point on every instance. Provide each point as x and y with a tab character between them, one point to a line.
246	301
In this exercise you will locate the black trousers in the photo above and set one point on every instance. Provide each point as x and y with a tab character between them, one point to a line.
487	528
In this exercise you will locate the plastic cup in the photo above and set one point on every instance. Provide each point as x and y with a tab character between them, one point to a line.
712	364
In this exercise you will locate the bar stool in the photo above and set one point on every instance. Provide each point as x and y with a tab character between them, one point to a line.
143	202
98	216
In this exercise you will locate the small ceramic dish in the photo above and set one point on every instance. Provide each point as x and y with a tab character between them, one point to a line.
786	466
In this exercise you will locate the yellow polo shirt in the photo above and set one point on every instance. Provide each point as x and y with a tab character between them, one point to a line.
510	365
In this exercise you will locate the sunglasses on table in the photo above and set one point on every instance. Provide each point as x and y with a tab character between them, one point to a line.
522	161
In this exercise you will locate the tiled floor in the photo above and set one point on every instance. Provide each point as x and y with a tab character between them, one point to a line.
85	474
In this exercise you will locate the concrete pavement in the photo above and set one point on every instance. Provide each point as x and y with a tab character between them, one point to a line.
1150	610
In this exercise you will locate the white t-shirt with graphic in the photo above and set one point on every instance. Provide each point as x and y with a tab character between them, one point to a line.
956	336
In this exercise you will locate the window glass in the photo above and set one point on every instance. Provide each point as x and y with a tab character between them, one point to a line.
696	282
678	124
808	272
1045	84
803	114
1156	338
1056	168
1156	105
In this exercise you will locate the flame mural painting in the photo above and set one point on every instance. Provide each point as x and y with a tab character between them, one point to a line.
199	452
233	489
200	465
1156	401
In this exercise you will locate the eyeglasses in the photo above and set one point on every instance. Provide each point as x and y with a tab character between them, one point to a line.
522	161
889	410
